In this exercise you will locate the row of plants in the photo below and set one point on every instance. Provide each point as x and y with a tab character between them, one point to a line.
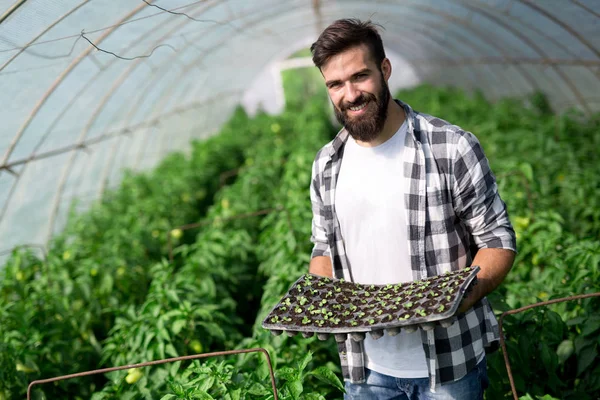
108	293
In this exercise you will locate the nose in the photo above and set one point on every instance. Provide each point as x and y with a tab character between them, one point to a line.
352	92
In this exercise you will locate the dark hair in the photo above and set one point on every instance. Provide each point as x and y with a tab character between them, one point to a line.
344	34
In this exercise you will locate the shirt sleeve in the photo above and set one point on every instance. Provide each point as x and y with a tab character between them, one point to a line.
319	233
476	199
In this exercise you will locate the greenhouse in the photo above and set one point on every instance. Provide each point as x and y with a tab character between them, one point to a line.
155	166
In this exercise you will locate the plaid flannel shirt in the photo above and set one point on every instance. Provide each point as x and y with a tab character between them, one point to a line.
453	209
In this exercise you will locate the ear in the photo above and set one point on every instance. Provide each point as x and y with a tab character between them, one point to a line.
386	68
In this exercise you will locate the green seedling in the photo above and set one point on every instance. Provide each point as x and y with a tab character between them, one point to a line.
298	310
275	319
353	323
353	307
441	308
305	320
379	312
371	321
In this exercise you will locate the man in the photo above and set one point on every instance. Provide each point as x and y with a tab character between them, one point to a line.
399	196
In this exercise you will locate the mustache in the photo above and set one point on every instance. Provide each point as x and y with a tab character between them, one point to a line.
363	98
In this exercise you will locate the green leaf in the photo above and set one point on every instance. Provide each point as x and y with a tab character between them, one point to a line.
286	373
591	326
168	397
585	358
565	350
207	383
548	357
527	171
313	396
304	362
295	387
326	375
258	389
236	394
178	325
202	395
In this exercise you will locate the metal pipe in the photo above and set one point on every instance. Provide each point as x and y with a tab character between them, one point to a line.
518	310
158	362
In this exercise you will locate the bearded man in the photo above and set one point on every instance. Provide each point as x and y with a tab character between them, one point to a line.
397	196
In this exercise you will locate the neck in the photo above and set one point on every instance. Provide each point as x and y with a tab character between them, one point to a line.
395	118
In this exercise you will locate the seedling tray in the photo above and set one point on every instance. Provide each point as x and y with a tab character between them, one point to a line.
328	306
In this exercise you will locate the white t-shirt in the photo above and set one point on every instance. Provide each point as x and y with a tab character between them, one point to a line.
369	204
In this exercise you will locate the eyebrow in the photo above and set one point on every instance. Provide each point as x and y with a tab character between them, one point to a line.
335	81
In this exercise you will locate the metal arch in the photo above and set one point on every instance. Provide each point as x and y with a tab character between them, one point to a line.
64	177
543	34
14	186
467	24
60	79
167	93
458	62
431	37
116	84
500	49
481	35
11	10
586	8
562	24
22	49
533	46
133	110
73	64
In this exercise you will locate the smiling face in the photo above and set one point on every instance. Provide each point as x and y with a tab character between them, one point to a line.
359	92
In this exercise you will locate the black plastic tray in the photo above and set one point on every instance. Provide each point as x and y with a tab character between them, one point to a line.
327	306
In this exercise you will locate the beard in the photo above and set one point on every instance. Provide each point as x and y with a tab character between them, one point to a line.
366	127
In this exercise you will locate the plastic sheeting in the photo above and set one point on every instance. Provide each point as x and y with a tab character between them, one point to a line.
91	87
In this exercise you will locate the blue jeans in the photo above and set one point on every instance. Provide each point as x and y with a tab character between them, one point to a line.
384	387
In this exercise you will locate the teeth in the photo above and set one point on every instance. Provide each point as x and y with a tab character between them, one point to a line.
358	108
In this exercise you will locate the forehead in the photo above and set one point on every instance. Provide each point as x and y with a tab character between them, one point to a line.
343	65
